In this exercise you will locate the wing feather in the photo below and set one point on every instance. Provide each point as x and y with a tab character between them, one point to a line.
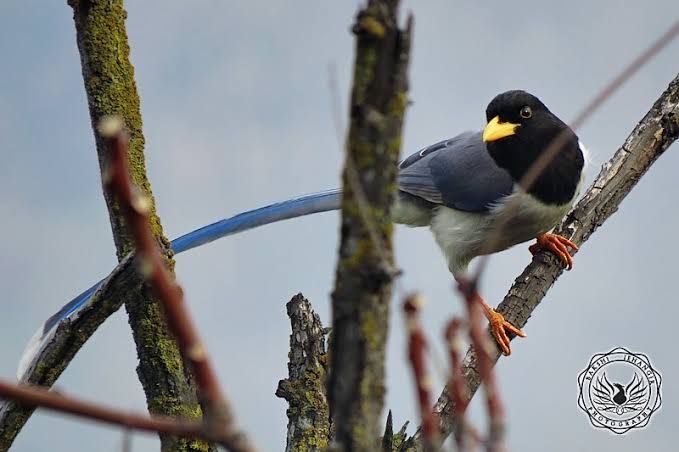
457	173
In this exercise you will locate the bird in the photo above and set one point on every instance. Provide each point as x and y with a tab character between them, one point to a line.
458	188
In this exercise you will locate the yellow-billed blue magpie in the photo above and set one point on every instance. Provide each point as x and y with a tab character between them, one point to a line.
457	188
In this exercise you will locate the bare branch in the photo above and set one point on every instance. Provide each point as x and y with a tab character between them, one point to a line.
484	347
68	338
391	442
135	207
388	437
365	268
456	385
32	396
417	347
304	389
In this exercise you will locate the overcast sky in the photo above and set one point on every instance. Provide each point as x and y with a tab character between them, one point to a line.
238	113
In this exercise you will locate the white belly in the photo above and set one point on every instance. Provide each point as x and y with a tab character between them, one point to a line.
464	235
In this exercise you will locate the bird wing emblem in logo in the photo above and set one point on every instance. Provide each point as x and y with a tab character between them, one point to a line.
614	397
619	390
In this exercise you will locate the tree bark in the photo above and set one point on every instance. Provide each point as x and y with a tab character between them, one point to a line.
365	268
111	90
304	389
656	131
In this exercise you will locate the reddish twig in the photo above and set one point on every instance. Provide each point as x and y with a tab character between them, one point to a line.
417	347
135	207
39	397
481	344
457	385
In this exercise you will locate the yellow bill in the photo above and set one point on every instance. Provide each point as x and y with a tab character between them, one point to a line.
495	129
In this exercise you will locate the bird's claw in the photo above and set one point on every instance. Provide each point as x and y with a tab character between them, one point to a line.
557	245
499	328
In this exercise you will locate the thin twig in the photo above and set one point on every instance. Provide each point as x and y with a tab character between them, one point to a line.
38	397
135	207
483	347
456	386
417	346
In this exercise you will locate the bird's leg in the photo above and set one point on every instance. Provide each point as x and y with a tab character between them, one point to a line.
557	245
499	326
496	321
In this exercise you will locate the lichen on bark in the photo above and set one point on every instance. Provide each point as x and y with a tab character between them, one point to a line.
111	90
365	265
304	389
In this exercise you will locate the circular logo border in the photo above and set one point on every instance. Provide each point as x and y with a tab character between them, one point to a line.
581	380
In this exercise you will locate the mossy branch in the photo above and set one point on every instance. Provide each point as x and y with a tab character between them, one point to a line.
111	90
365	268
391	442
304	389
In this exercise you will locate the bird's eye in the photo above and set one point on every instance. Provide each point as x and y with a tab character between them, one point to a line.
526	112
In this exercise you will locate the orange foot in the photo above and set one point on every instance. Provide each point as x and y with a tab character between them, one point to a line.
499	328
557	245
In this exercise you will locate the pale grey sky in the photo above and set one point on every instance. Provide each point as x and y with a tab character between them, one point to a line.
237	113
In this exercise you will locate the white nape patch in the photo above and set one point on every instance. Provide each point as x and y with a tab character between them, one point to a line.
586	154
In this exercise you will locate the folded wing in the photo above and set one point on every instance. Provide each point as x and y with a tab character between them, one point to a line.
457	173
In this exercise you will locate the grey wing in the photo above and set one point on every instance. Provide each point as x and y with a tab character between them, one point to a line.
457	173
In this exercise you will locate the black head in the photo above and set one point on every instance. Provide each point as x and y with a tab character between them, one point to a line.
520	128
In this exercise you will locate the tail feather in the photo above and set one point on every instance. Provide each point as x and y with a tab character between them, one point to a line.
292	208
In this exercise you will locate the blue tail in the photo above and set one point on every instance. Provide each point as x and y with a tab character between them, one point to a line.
292	208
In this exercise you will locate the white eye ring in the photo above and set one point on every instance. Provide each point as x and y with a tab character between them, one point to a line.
526	112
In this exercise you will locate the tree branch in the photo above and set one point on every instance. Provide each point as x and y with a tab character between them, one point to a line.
656	131
135	208
484	364
68	338
304	389
391	442
417	350
33	397
464	432
111	90
365	268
